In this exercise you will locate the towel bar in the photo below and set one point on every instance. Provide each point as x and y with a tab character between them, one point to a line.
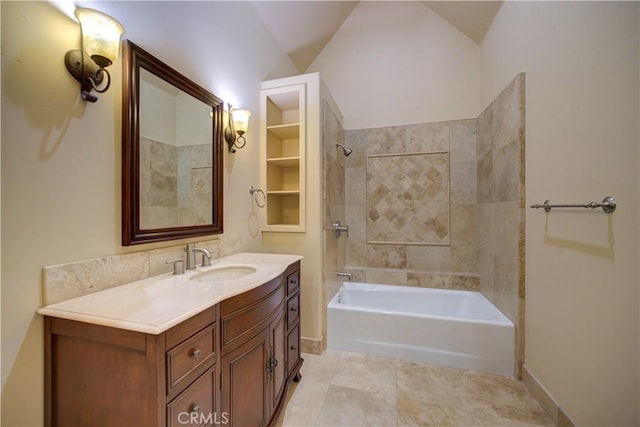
608	205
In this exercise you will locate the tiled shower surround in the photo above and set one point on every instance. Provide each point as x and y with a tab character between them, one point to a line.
176	183
501	209
481	243
333	194
446	156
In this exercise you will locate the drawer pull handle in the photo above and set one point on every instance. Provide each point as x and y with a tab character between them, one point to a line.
293	347
195	353
293	309
195	408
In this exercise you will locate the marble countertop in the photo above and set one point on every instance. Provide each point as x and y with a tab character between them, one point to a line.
158	303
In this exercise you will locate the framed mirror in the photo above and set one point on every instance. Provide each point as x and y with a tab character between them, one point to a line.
171	153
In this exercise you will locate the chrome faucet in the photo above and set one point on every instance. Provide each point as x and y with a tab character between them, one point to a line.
340	228
191	251
347	275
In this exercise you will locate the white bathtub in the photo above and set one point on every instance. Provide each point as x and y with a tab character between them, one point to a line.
443	327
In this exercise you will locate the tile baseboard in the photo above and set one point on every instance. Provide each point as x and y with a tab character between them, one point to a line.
540	393
311	345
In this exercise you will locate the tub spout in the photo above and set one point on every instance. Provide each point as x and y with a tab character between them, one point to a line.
347	275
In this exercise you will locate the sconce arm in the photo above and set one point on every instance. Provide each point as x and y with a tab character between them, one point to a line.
88	73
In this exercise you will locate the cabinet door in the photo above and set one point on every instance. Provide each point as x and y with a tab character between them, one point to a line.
244	383
278	374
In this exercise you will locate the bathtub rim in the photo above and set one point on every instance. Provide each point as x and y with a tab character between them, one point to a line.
363	286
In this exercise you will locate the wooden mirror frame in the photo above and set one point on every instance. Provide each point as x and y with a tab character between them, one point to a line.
135	58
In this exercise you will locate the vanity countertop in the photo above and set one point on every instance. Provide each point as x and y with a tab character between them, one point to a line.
155	304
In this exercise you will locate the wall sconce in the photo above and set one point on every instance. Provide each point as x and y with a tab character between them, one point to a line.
100	44
238	123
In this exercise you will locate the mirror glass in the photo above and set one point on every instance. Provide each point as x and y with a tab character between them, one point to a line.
172	155
175	156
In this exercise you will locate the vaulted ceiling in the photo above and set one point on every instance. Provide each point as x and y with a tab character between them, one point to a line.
303	28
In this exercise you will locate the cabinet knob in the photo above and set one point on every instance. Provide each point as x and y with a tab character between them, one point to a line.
195	353
293	347
293	309
195	408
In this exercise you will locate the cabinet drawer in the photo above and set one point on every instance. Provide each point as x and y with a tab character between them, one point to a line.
244	322
195	405
184	330
293	283
246	299
293	310
293	348
191	357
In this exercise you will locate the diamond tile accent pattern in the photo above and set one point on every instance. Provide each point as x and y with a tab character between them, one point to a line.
408	199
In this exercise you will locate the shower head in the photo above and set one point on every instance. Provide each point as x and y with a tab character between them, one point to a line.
346	151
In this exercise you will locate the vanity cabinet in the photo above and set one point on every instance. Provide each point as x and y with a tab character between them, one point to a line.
256	363
228	365
98	375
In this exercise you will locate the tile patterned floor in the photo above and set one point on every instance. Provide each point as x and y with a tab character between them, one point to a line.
350	389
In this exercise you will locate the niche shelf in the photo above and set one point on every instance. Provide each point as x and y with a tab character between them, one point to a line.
282	140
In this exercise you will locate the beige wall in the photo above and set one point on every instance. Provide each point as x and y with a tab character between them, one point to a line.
582	326
387	52
61	156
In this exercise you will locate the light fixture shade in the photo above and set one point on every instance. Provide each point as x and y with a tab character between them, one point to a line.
100	35
240	119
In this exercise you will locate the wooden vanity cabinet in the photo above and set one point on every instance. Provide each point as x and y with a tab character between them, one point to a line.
254	365
228	365
103	376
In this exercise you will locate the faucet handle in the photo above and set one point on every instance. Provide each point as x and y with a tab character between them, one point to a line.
178	265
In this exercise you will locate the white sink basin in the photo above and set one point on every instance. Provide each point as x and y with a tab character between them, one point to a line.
228	272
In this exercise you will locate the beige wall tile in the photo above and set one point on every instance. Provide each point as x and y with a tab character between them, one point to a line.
356	254
443	281
408	199
485	179
484	133
463	225
464	258
464	183
427	137
462	141
508	113
506	172
356	186
387	256
485	249
65	281
356	140
385	140
430	258
62	282
386	277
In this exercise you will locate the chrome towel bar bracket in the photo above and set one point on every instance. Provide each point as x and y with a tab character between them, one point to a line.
608	205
